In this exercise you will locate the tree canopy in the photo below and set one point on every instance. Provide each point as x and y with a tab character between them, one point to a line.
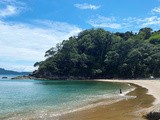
97	53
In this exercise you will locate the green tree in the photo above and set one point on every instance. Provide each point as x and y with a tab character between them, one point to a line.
145	33
96	53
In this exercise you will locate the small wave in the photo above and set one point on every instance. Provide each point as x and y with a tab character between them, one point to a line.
128	91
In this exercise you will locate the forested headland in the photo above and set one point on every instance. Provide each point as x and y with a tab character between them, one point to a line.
97	53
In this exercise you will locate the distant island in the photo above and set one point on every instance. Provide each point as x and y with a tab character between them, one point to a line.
97	53
10	72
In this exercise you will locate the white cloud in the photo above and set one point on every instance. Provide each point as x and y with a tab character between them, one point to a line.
28	43
8	11
11	7
87	6
12	2
106	25
137	23
156	10
150	21
106	22
125	24
58	26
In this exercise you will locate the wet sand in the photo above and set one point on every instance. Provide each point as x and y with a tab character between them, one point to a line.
151	85
128	109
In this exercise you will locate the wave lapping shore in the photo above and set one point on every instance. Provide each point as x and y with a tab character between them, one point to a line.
151	85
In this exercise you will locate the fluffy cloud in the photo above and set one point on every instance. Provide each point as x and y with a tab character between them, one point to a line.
155	10
8	11
87	6
137	23
151	21
23	42
12	2
105	22
125	24
10	8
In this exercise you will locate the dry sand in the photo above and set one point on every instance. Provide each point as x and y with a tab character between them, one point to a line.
153	87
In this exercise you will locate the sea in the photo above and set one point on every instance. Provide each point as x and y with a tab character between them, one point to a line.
42	99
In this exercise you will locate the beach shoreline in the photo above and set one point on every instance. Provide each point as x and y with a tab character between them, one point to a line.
148	100
151	85
145	99
131	109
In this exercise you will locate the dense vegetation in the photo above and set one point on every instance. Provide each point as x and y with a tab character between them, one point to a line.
96	53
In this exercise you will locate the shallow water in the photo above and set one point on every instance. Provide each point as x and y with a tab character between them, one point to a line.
35	98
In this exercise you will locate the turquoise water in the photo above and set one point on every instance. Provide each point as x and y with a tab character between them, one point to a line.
33	98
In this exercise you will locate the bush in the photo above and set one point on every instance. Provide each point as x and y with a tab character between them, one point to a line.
153	116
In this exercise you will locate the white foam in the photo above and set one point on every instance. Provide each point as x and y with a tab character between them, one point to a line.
128	91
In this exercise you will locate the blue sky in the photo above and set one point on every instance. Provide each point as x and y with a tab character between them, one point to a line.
30	27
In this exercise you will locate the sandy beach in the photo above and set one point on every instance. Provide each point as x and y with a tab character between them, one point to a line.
133	106
147	99
151	85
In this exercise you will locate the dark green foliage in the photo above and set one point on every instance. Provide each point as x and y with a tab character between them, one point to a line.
153	116
145	33
97	53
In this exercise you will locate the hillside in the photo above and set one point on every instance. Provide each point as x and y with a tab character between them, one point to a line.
97	53
9	72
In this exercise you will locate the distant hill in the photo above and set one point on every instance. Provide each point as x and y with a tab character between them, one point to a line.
10	72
